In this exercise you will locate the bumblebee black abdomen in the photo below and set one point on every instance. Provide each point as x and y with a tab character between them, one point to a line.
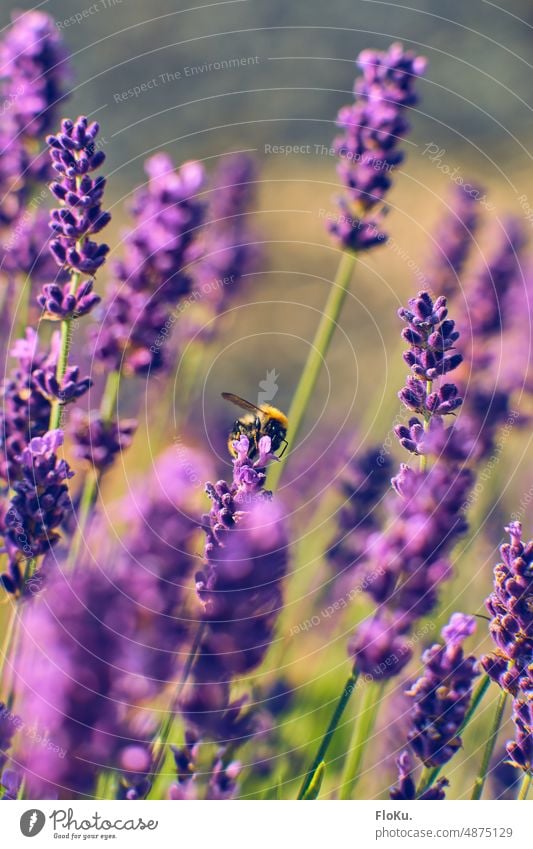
276	431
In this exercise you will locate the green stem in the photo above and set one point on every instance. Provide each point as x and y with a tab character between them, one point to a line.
316	783
349	687
427	419
109	398
87	500
106	785
315	360
524	787
362	733
24	304
62	361
489	747
8	642
429	776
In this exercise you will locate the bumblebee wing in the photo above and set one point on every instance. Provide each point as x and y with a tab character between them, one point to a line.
240	402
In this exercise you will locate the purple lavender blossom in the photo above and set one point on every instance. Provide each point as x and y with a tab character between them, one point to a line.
493	321
442	694
488	339
504	777
35	73
28	393
488	290
35	67
155	567
59	302
368	147
441	698
431	355
362	486
454	238
69	682
520	750
407	562
74	156
240	590
38	506
228	252
153	277
98	440
509	605
11	782
222	780
406	787
511	629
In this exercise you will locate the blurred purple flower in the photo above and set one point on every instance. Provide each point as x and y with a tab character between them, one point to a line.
36	69
487	292
227	249
222	778
25	250
153	277
68	680
99	440
454	237
35	73
362	485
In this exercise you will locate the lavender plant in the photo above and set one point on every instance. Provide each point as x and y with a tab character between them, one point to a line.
441	698
509	665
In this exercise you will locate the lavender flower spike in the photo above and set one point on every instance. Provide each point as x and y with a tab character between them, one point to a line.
454	237
39	504
240	590
34	73
442	695
153	277
27	396
406	563
34	62
405	790
368	146
511	628
510	606
74	157
431	355
70	682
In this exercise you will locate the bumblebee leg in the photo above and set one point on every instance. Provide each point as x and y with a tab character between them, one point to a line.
285	446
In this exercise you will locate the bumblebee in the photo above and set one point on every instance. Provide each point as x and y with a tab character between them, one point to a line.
259	421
